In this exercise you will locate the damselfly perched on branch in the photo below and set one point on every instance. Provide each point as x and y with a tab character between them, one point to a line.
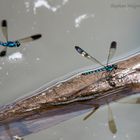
109	71
107	68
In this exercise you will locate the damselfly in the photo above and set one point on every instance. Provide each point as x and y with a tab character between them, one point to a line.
15	43
107	68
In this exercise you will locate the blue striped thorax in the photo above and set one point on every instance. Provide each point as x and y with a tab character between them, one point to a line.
107	68
10	44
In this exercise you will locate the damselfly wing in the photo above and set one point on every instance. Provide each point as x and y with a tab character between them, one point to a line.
30	38
4	28
92	112
86	55
111	121
112	51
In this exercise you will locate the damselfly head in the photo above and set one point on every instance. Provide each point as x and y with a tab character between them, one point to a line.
115	66
17	43
82	52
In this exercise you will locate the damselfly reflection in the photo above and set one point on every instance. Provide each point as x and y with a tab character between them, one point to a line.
108	69
15	43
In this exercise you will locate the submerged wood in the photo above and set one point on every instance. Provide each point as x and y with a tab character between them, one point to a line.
68	98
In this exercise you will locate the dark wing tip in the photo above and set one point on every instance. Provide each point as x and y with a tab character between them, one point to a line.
2	53
78	49
4	23
37	36
114	44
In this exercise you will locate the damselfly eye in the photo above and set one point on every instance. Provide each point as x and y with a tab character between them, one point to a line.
115	67
17	44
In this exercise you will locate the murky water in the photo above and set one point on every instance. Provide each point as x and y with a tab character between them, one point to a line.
91	24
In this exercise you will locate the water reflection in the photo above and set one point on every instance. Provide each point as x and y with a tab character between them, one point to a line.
46	3
15	57
80	18
27	5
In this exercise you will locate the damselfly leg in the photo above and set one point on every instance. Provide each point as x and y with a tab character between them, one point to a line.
92	112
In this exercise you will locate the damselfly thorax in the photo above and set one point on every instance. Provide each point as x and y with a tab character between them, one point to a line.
15	43
10	44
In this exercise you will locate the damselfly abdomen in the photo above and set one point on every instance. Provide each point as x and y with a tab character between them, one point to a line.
107	68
